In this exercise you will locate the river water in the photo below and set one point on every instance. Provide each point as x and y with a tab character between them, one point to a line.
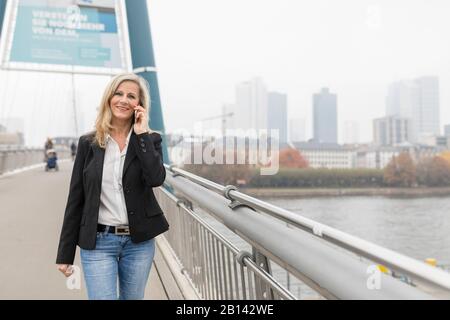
416	227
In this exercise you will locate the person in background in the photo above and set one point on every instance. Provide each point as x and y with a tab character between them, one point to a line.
73	150
47	146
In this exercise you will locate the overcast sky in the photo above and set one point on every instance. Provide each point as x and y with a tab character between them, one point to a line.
203	48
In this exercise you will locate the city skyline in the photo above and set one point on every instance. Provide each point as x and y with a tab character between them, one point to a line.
246	93
347	130
413	101
356	49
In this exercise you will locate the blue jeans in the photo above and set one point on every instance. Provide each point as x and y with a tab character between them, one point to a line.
117	257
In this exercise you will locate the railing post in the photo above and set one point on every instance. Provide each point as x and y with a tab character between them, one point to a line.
262	291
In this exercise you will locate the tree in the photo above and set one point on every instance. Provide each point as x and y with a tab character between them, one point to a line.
222	173
446	156
434	172
400	172
292	158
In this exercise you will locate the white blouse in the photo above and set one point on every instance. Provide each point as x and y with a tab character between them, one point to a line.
113	211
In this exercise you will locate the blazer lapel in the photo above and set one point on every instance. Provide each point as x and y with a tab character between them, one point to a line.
99	158
131	153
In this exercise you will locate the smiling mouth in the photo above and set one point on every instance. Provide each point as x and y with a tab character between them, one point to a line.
123	108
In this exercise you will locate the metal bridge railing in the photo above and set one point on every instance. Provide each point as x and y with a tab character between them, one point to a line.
12	158
216	267
221	201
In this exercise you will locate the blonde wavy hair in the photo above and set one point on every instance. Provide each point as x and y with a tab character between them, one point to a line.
103	125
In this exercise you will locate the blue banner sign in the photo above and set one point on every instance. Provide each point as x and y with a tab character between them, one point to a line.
67	32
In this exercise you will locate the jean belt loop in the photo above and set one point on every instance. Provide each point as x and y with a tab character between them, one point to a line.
106	229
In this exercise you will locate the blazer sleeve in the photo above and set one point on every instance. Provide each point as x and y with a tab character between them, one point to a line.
149	153
72	217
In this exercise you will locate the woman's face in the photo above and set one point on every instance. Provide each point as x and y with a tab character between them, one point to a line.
124	100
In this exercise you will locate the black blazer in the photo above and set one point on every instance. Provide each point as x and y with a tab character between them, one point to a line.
143	169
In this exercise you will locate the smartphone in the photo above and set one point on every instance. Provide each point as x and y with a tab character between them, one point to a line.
134	114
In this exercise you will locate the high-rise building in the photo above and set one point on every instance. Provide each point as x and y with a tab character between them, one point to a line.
325	117
251	105
429	105
297	130
447	130
417	100
351	132
277	114
391	130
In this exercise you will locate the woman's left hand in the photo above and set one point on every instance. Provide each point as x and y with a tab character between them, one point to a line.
141	120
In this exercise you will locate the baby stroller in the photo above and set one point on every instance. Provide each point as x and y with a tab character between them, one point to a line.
52	160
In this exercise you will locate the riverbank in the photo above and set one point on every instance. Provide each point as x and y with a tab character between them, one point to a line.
335	192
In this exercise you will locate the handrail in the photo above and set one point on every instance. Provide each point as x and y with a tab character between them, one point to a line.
389	258
242	258
249	263
14	157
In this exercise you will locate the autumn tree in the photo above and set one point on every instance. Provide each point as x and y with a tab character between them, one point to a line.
400	172
446	156
292	158
434	172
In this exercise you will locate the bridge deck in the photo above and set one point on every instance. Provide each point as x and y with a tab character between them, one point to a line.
31	211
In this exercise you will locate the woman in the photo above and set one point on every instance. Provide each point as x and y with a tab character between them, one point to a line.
111	212
47	146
